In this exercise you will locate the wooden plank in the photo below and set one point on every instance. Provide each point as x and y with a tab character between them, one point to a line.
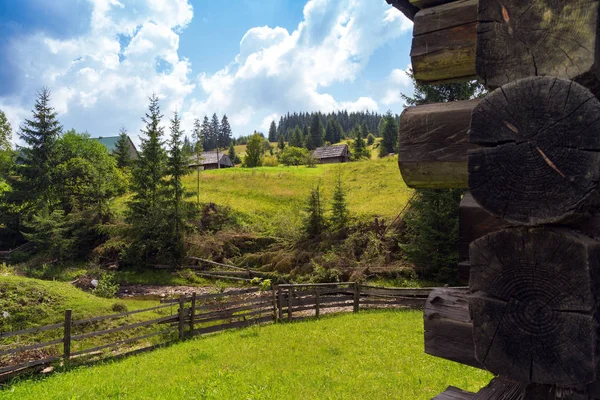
405	302
455	13
229	304
433	144
113	316
301	285
233	278
29	364
446	55
119	343
30	347
32	330
452	393
448	326
356	299
393	292
317	302
215	295
501	388
67	337
215	316
233	325
181	314
170	318
192	313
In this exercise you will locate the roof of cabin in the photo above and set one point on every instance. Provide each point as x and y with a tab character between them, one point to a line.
210	157
110	142
331	151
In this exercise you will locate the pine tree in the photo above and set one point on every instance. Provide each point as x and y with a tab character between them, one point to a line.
206	135
187	147
339	207
316	133
305	136
281	143
5	133
176	206
296	138
199	137
215	133
314	222
359	150
38	158
231	153
330	134
389	132
338	132
225	137
364	131
145	212
272	132
254	151
121	152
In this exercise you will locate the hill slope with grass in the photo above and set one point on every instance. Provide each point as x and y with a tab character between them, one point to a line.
376	355
273	197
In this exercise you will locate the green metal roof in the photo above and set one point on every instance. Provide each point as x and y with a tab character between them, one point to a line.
110	142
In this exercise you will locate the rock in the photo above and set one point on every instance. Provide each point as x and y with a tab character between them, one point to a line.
94	283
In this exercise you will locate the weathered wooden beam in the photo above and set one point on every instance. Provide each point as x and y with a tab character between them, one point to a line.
444	42
453	393
433	144
429	3
448	326
534	305
405	7
517	39
540	157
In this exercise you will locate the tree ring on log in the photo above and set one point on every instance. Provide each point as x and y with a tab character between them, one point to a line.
540	160
517	38
533	305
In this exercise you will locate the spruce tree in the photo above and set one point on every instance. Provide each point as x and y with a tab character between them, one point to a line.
146	207
215	133
330	134
359	148
38	157
338	132
281	143
314	221
296	138
254	151
176	205
187	147
339	207
389	132
305	136
225	137
231	153
364	131
315	138
5	133
272	132
121	152
206	135
198	136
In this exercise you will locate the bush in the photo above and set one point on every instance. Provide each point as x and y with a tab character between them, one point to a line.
107	286
293	156
370	139
119	308
270	161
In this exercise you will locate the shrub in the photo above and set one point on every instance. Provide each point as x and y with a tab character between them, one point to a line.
107	286
370	139
270	161
119	308
293	156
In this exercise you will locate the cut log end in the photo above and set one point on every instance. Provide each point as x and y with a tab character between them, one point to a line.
541	160
533	307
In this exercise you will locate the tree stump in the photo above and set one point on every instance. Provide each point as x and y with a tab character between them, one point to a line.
517	39
540	162
534	309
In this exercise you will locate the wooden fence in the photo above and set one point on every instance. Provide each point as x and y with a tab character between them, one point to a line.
187	316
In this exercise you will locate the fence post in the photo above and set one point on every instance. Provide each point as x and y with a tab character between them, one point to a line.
181	315
356	296
274	293
317	302
279	304
67	339
192	314
290	302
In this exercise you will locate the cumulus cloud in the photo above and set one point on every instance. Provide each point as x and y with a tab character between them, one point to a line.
278	71
397	83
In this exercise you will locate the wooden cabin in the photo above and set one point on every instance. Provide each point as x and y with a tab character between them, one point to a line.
208	160
332	154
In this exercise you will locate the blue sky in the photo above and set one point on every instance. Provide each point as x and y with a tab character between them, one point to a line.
251	59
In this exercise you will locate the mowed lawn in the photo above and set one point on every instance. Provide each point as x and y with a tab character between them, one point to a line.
375	187
370	355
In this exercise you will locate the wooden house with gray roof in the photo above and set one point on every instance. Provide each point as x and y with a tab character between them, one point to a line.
208	160
332	154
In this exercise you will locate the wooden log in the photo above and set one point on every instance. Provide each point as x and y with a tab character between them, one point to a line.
517	39
541	160
474	221
429	3
67	338
444	42
405	7
433	144
533	307
448	326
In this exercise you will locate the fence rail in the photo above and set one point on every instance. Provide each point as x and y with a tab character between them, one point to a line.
193	315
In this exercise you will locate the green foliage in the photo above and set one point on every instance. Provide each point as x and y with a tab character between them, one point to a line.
431	235
316	134
333	131
225	132
389	133
270	161
339	208
272	132
121	152
50	234
281	143
370	139
296	138
254	151
5	133
443	92
293	156
107	286
231	153
359	148
314	221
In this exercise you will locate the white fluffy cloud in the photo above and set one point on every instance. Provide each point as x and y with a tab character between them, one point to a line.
396	83
277	71
101	80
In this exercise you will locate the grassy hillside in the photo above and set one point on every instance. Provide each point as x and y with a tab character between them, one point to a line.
276	195
376	355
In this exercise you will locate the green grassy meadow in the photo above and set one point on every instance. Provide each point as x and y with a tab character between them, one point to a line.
376	354
274	196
